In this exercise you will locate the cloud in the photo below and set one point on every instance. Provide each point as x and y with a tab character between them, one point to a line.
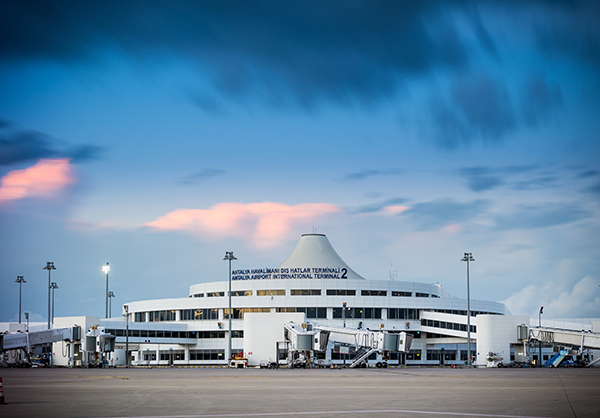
542	182
441	213
361	175
264	224
549	215
18	146
539	100
285	52
579	301
41	180
479	108
23	147
481	178
387	206
203	175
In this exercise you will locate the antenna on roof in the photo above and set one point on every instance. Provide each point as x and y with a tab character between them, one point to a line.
393	273
314	230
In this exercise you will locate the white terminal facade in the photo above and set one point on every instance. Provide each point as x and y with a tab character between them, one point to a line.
315	282
312	285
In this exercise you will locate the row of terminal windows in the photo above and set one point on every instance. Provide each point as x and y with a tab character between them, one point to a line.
180	355
357	313
311	313
315	292
402	313
459	312
143	333
447	325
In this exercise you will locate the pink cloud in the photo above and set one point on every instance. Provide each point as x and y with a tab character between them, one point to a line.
43	180
451	229
266	223
394	210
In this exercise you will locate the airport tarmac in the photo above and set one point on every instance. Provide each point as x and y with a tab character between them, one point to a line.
380	393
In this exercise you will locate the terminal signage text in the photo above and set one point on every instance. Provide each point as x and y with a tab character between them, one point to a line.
291	273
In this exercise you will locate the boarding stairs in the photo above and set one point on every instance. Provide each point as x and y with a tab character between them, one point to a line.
362	355
556	359
582	339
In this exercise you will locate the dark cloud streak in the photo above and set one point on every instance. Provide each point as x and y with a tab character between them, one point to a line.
24	146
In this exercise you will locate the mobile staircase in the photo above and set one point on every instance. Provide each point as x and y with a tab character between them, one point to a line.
584	340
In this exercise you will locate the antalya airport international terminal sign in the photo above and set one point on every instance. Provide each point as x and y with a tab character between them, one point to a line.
291	273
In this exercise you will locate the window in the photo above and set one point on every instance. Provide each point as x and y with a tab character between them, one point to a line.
211	334
373	293
199	295
237	334
215	294
139	317
172	354
305	292
241	293
341	292
207	354
313	313
402	294
271	292
422	295
413	355
198	314
402	313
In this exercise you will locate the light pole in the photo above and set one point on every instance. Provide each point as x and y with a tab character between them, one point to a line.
540	334
126	335
110	296
106	269
53	286
20	280
49	267
230	257
468	258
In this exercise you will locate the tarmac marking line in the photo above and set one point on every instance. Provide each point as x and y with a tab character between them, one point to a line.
369	411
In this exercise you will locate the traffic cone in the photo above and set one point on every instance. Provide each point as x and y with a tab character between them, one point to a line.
1	393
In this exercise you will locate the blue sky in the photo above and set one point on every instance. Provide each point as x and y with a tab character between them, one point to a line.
158	135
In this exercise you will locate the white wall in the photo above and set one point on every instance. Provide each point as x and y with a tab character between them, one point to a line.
495	333
262	331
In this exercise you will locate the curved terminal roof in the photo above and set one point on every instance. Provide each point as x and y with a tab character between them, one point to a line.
315	251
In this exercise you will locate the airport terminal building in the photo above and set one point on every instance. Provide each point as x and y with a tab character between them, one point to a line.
315	286
316	283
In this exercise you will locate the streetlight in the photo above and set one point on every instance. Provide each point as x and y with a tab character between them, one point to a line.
20	280
49	267
230	257
126	308
540	334
344	307
468	257
110	296
53	286
106	269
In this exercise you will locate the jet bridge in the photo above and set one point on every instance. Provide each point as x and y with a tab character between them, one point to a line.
314	337
582	339
25	340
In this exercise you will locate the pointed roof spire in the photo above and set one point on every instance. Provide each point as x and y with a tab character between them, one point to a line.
315	250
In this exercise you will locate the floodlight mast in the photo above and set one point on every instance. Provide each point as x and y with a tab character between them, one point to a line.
229	257
468	258
20	280
106	269
49	267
